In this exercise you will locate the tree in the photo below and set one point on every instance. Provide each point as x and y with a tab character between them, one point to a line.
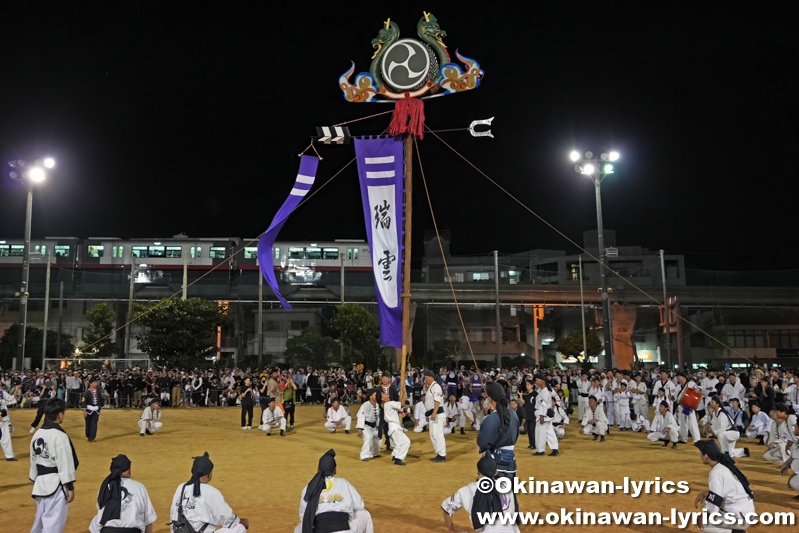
447	350
180	333
571	345
311	348
98	335
33	345
359	332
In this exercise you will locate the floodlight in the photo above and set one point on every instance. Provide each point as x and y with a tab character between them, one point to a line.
49	162
574	155
608	169
604	156
589	155
588	169
614	156
36	174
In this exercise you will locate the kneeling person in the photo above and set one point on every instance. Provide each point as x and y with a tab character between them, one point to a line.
479	504
149	420
123	504
392	414
595	421
664	427
338	417
202	505
273	418
331	503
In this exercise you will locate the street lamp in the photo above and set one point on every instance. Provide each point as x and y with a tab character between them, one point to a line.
29	176
596	170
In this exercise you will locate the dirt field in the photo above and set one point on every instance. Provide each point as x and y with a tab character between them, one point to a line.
262	477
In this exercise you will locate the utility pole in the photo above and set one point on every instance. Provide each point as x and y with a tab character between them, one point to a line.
130	305
498	324
666	314
582	309
60	318
341	343
46	309
609	359
185	275
23	292
260	328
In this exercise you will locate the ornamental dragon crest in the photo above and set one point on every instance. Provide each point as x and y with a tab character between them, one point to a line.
411	68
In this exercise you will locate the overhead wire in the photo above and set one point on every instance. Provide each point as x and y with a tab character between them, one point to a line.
542	219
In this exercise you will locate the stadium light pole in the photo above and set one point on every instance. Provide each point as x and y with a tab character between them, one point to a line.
29	176
596	170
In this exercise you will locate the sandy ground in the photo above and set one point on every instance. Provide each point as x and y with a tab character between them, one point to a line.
262	477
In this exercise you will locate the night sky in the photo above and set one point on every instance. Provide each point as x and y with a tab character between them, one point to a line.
169	117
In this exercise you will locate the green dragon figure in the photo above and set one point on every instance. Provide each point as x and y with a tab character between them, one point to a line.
428	30
386	36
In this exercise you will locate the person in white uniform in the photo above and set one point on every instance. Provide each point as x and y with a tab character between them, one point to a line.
331	503
686	416
638	392
544	434
392	415
667	385
622	400
792	464
640	423
338	417
560	420
6	427
583	384
724	429
418	414
122	503
466	409
273	418
594	421
664	427
149	419
203	506
708	385
53	466
781	436
474	501
733	389
760	425
368	420
453	416
728	491
434	400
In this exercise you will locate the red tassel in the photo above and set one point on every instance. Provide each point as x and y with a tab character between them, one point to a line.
408	118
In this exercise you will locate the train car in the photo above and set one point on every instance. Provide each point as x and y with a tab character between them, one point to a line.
304	262
64	252
109	253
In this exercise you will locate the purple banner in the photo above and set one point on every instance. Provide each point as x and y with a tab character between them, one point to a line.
303	184
381	171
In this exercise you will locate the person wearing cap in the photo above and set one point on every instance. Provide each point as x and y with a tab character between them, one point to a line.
728	499
792	463
202	505
434	403
273	418
149	419
123	505
53	466
724	429
330	503
477	503
686	417
594	421
781	437
664	427
91	402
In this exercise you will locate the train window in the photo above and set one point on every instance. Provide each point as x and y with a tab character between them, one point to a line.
114	251
96	251
313	253
330	253
17	250
296	253
121	251
250	252
355	253
174	251
4	248
277	252
139	251
199	251
349	253
61	251
217	252
156	251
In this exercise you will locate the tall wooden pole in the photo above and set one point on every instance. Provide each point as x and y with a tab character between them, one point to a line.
402	354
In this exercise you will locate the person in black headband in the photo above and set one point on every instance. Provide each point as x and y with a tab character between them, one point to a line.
91	403
149	419
434	403
500	430
728	489
196	501
123	504
480	497
331	504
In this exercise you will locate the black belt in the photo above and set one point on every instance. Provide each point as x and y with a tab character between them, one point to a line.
430	412
44	470
331	522
583	395
110	529
370	424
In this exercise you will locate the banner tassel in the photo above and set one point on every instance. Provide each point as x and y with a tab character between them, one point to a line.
408	118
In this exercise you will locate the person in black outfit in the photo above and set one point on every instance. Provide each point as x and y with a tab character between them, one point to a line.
115	390
45	394
387	387
127	391
263	400
528	396
247	404
91	402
